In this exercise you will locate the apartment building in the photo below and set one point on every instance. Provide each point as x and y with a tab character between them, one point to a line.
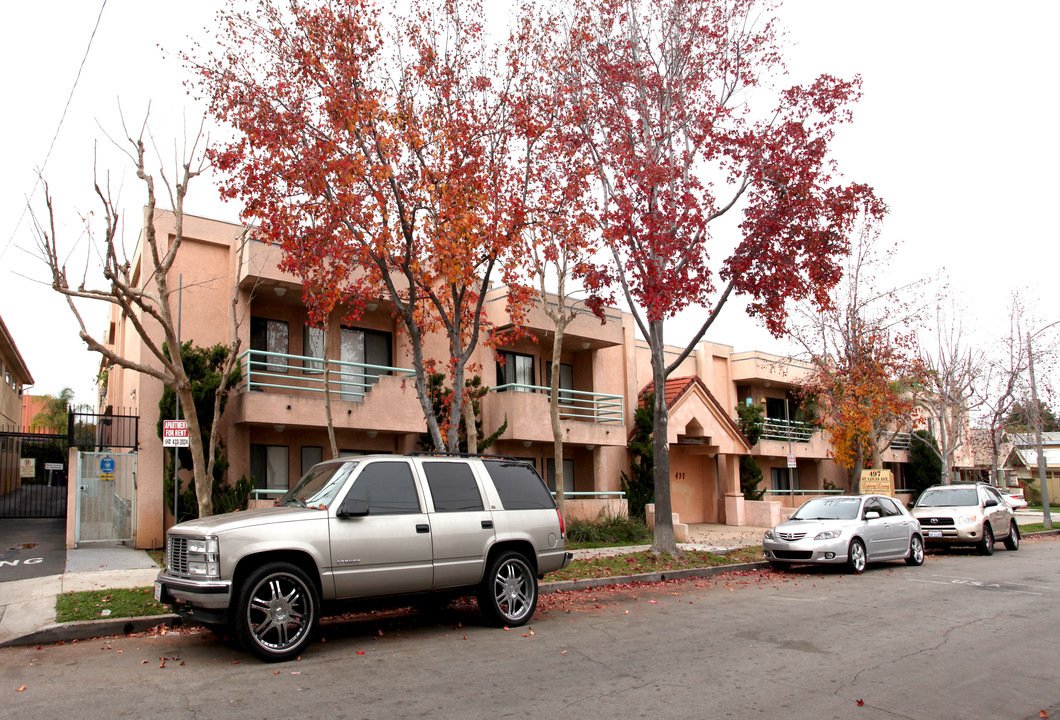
274	427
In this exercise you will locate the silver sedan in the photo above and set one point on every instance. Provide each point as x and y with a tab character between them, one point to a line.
846	529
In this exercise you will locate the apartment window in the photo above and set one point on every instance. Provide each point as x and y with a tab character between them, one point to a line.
313	346
271	336
781	476
515	369
311	455
775	408
269	467
568	475
369	347
566	381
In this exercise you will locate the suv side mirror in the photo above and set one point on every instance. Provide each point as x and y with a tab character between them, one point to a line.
352	507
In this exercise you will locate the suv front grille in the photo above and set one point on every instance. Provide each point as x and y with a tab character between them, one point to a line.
930	522
177	555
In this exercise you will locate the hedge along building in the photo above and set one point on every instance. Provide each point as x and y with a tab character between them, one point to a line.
274	427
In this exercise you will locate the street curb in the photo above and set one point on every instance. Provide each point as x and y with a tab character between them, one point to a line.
89	629
1041	533
590	583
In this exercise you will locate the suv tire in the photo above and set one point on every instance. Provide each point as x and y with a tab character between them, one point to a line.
277	611
986	546
1012	542
507	595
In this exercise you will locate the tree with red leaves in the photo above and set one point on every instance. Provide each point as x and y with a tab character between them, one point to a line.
378	148
667	96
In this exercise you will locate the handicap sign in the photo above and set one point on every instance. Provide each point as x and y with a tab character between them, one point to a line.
106	468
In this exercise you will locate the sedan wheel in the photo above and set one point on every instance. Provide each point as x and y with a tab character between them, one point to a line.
508	593
986	547
277	612
916	551
856	557
1012	542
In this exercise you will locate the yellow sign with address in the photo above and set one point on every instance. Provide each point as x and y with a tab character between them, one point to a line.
877	482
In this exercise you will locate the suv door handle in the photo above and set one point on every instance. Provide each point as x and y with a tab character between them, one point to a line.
423	528
487	524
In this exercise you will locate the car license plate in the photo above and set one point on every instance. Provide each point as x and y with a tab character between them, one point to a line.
934	533
158	591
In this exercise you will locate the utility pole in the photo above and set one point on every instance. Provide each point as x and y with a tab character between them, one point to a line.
1038	429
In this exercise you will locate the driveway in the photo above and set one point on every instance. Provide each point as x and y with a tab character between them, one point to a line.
31	548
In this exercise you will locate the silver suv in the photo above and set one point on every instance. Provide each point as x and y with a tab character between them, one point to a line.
966	514
422	527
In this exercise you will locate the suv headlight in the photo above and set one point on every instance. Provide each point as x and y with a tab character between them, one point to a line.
203	556
827	535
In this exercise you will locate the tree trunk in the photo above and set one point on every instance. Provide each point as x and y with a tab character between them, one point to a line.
327	395
203	482
469	426
553	409
664	543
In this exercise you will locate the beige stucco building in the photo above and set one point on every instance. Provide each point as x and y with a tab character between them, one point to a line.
274	426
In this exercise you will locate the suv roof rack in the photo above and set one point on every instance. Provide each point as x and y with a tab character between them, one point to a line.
437	453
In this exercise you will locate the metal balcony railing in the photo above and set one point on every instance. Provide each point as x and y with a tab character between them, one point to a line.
577	404
793	430
297	374
902	441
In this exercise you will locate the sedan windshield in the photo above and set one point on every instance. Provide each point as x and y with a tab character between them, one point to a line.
844	508
949	497
318	487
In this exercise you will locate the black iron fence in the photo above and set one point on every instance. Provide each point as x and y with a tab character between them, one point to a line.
34	472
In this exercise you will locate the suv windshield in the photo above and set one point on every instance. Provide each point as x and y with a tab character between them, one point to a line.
318	487
828	509
949	497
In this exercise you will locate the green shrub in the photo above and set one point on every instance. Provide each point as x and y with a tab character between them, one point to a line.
608	530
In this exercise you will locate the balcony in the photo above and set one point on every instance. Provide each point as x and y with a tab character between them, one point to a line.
588	418
584	331
287	389
787	430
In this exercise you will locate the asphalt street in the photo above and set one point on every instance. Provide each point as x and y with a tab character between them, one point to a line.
31	548
964	636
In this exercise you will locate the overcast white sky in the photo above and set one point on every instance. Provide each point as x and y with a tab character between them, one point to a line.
956	131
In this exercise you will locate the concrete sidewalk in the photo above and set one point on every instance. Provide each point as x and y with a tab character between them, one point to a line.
27	607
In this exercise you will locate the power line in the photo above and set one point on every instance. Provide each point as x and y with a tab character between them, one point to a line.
25	208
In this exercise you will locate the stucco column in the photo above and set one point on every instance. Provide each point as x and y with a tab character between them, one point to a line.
729	478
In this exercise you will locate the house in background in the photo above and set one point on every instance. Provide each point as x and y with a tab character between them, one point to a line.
15	376
1022	464
274	427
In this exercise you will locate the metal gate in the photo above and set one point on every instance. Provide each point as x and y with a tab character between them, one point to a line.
33	473
106	497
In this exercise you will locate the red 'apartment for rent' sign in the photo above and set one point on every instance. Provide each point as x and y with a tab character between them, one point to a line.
175	433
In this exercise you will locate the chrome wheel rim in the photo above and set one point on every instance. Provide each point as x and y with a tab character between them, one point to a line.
918	551
280	612
988	540
857	556
513	590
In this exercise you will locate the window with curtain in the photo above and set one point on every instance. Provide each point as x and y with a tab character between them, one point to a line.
516	369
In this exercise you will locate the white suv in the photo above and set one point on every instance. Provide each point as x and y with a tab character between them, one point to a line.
966	514
419	527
